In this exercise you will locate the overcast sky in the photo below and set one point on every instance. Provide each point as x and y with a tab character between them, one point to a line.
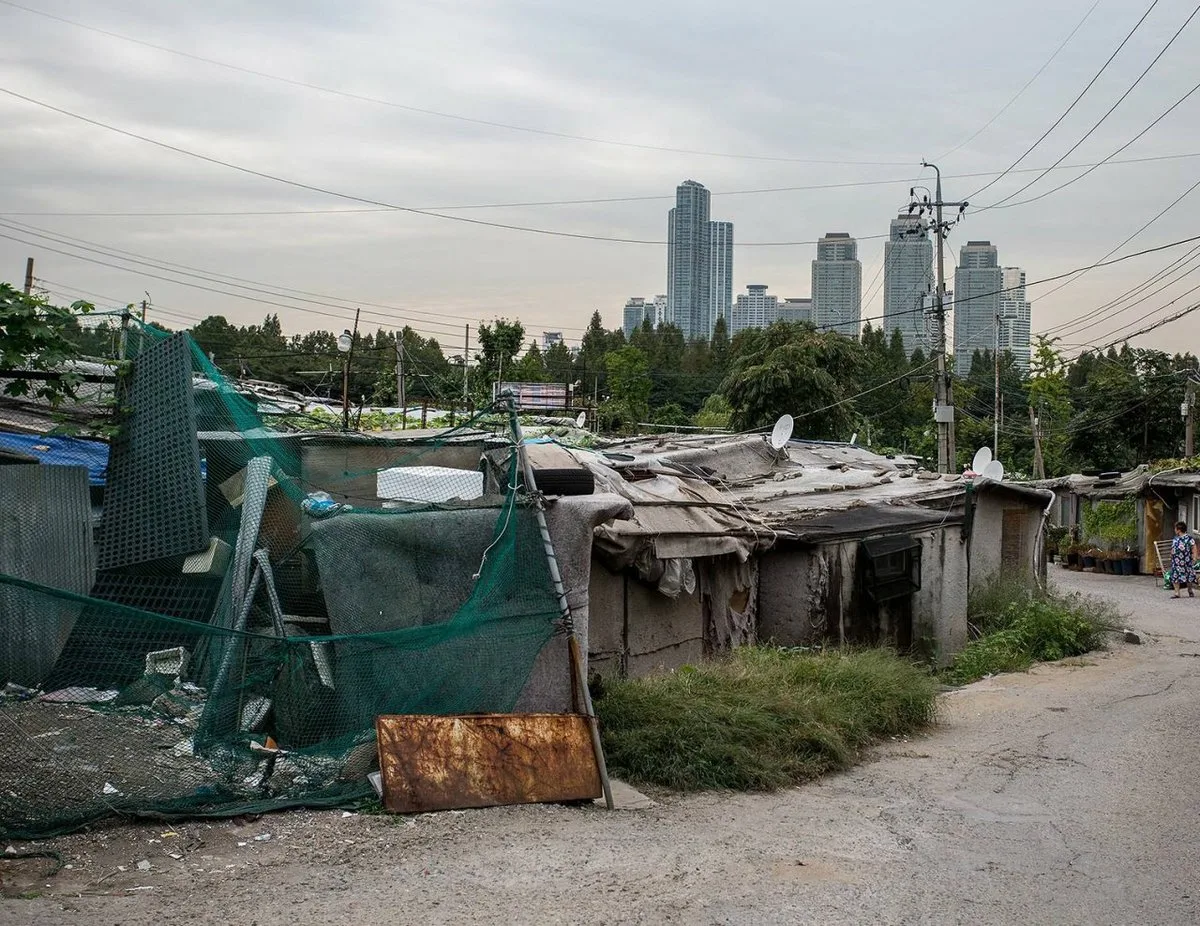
838	93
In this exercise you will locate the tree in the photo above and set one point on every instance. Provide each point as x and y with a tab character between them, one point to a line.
629	383
794	369
33	337
1050	398
499	343
531	368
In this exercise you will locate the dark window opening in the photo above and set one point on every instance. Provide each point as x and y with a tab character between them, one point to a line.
891	566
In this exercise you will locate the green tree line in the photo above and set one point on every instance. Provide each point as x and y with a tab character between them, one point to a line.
1097	411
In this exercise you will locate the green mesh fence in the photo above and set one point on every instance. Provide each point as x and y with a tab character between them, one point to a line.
255	597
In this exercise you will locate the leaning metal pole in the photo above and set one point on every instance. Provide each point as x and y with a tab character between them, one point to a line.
576	656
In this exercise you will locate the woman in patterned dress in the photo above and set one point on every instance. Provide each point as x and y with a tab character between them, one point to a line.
1183	560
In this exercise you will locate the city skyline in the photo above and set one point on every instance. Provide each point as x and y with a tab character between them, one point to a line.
846	158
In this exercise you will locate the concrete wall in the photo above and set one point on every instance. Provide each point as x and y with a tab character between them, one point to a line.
810	594
636	629
995	551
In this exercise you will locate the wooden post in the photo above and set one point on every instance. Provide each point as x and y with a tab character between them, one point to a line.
1039	465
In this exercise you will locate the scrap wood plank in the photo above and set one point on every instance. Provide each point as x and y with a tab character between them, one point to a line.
484	760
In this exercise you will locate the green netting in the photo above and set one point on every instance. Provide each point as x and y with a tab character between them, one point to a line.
338	578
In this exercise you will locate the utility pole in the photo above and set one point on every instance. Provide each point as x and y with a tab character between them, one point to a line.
143	311
1189	419
943	412
28	276
401	400
466	366
996	391
1035	427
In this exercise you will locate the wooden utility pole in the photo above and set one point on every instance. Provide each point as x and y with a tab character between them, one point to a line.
28	276
401	400
1039	465
943	412
1189	419
466	365
143	311
996	387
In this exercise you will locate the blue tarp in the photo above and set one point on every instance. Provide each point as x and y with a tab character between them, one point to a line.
61	451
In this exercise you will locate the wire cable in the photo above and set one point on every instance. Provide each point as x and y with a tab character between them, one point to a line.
362	98
1100	121
1027	85
1057	122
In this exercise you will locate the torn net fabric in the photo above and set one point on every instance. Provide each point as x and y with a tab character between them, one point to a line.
250	599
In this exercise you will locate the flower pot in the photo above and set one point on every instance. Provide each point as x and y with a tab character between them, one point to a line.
1130	566
1072	559
1088	561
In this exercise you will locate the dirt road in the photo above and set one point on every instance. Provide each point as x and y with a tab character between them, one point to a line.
1067	795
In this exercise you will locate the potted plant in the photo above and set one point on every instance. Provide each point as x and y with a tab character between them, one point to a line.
1129	565
1089	558
1073	556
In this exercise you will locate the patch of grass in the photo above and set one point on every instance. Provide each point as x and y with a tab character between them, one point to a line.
1019	626
760	718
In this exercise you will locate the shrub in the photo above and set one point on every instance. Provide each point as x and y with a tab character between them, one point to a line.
1019	626
760	718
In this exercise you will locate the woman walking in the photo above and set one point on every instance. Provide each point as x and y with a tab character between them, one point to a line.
1183	560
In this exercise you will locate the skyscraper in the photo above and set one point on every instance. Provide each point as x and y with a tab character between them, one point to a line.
699	263
636	311
721	259
796	310
689	261
754	309
976	302
837	285
907	277
1014	317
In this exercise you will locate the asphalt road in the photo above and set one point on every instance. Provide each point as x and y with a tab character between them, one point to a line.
1067	795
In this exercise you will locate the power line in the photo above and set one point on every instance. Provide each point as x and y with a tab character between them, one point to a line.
597	200
548	232
1062	186
1027	85
1175	202
362	98
1074	102
215	276
1100	121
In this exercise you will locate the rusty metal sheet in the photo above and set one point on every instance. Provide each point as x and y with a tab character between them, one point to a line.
483	760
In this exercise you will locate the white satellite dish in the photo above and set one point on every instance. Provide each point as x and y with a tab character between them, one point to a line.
581	419
994	470
782	432
983	456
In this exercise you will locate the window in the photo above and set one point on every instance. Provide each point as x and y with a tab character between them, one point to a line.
891	566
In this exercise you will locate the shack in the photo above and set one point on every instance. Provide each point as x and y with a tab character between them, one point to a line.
732	541
1152	499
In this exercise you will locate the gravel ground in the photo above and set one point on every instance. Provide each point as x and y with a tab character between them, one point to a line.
1064	795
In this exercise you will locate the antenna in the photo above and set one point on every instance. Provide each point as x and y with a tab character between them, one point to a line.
994	470
782	432
581	419
983	456
853	438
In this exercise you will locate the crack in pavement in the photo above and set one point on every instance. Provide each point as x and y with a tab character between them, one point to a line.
1144	694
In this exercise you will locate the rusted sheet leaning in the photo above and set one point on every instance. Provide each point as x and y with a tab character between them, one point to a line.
433	762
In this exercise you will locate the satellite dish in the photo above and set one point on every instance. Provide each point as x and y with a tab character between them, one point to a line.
994	470
782	432
581	419
983	456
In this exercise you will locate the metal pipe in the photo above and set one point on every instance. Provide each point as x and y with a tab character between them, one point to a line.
573	649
